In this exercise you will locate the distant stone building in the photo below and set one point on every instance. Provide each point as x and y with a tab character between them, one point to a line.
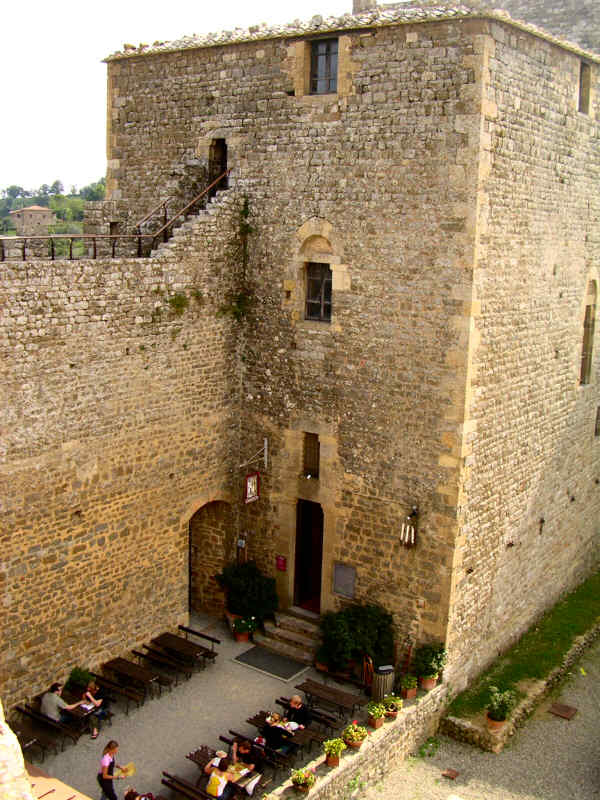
33	220
413	334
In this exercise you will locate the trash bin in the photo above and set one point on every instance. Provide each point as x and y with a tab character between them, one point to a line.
383	682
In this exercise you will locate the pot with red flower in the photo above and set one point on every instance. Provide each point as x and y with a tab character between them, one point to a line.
354	735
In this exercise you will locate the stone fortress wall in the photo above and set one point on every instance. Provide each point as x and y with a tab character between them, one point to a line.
116	426
436	383
529	528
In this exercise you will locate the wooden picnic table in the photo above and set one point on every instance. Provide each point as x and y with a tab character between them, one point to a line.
202	755
181	647
300	736
345	702
133	672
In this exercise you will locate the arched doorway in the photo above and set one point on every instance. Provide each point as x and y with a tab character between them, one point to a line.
211	542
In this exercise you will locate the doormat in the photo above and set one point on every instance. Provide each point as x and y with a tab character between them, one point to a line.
269	663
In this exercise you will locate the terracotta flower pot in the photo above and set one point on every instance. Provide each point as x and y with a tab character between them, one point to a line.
376	722
241	636
409	694
391	714
428	683
354	745
301	788
495	725
332	761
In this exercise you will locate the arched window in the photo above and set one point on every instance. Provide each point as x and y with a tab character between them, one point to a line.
588	334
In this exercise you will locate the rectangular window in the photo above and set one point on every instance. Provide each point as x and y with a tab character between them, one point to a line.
584	87
597	426
312	450
318	292
588	344
323	66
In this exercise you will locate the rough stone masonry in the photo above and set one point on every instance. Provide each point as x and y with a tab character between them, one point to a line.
450	187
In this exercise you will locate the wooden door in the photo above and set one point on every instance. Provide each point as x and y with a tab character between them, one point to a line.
309	556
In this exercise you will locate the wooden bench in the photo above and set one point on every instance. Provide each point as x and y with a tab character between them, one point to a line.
184	787
126	693
163	681
211	652
41	720
31	735
161	658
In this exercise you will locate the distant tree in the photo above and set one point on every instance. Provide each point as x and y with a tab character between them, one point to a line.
94	191
44	190
57	188
15	191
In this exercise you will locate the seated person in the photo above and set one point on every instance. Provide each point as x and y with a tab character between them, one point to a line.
92	697
276	736
132	794
242	753
298	712
54	706
219	780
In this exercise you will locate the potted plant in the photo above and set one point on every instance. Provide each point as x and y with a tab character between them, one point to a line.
500	704
354	734
243	627
248	592
79	677
429	662
333	749
303	779
408	686
392	705
376	712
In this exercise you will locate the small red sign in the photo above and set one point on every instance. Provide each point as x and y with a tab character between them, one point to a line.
281	563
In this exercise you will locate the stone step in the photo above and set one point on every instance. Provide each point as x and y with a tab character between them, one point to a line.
294	637
283	648
293	621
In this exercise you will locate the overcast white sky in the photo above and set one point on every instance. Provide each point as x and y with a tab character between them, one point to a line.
53	98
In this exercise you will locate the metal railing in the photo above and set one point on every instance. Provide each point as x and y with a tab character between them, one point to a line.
145	243
166	228
89	238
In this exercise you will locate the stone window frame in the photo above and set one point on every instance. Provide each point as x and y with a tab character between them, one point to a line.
589	324
298	67
314	242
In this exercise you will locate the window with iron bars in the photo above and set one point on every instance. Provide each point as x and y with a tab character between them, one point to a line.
323	66
318	292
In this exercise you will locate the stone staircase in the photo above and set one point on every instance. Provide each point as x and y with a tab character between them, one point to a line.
294	634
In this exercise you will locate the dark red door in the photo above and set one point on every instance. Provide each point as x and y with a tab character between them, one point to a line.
309	556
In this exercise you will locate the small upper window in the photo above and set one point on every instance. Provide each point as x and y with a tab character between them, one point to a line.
311	455
323	66
318	292
584	88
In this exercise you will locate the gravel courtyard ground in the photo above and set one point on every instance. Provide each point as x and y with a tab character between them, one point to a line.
548	759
